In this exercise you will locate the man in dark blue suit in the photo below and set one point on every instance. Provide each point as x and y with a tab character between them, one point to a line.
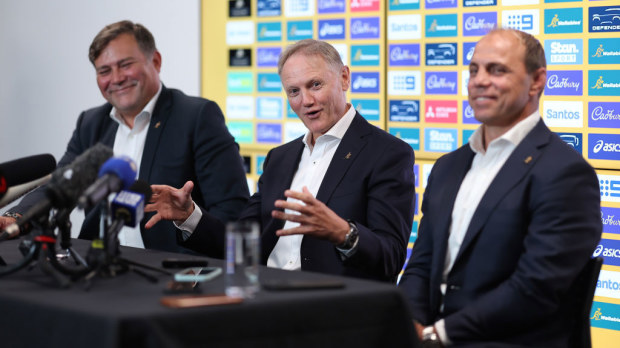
509	220
339	200
172	137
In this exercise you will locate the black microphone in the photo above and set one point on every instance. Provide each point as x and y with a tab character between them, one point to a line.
115	174
65	186
24	170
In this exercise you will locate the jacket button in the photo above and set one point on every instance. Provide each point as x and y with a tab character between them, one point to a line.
454	287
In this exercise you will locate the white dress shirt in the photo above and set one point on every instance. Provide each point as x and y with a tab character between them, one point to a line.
130	142
484	168
312	167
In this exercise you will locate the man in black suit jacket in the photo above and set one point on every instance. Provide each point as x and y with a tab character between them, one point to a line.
339	200
173	137
509	220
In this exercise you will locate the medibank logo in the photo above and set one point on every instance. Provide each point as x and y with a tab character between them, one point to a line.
441	111
563	113
562	21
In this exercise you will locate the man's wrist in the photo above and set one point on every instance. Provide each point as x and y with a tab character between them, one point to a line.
430	338
350	239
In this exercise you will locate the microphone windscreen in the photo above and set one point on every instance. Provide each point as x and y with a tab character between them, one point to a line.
68	182
123	167
23	170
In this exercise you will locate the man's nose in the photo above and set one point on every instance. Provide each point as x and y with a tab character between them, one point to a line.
307	98
117	76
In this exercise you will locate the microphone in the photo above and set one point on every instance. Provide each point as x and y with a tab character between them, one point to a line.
128	205
24	170
65	186
16	192
127	209
116	174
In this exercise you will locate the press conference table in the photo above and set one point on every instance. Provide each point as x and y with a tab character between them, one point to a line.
125	311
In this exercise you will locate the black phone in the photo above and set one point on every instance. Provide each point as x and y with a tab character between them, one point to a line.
302	284
184	263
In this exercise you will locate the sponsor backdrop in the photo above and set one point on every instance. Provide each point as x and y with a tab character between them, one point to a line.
409	62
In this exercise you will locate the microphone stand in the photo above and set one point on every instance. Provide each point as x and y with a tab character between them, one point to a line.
104	256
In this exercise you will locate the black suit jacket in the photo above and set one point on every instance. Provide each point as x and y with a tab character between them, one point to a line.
532	233
369	180
187	139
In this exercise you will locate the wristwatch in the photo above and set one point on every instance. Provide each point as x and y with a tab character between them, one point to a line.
12	215
351	238
430	338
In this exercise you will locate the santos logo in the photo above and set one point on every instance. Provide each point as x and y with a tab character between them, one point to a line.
608	284
404	27
563	113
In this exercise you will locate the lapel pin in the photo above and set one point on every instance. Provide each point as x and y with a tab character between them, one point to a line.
347	156
157	124
528	159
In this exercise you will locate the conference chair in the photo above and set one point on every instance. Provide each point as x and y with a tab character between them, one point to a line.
584	294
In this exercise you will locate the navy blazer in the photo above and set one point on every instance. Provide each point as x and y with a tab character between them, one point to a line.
187	139
532	233
369	181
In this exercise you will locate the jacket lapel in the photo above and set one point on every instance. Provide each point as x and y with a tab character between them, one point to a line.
156	128
350	146
518	165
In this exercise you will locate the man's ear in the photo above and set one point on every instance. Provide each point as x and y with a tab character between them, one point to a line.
345	75
539	80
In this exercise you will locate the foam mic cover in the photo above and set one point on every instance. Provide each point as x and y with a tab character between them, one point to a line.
116	174
24	170
65	186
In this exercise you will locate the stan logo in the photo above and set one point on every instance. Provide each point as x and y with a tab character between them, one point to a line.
568	51
440	139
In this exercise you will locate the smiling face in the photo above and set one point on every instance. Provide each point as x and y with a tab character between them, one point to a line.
501	91
316	91
126	77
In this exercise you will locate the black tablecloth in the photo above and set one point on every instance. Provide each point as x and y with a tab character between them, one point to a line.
125	311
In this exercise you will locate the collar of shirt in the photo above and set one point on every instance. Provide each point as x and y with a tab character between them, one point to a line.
142	119
514	135
337	131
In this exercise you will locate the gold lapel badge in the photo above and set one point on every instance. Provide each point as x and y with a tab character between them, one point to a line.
528	159
347	156
157	124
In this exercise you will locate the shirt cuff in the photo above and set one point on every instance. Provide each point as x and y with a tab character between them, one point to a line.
188	226
440	327
347	253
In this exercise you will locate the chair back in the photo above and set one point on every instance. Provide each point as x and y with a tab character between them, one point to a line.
584	294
